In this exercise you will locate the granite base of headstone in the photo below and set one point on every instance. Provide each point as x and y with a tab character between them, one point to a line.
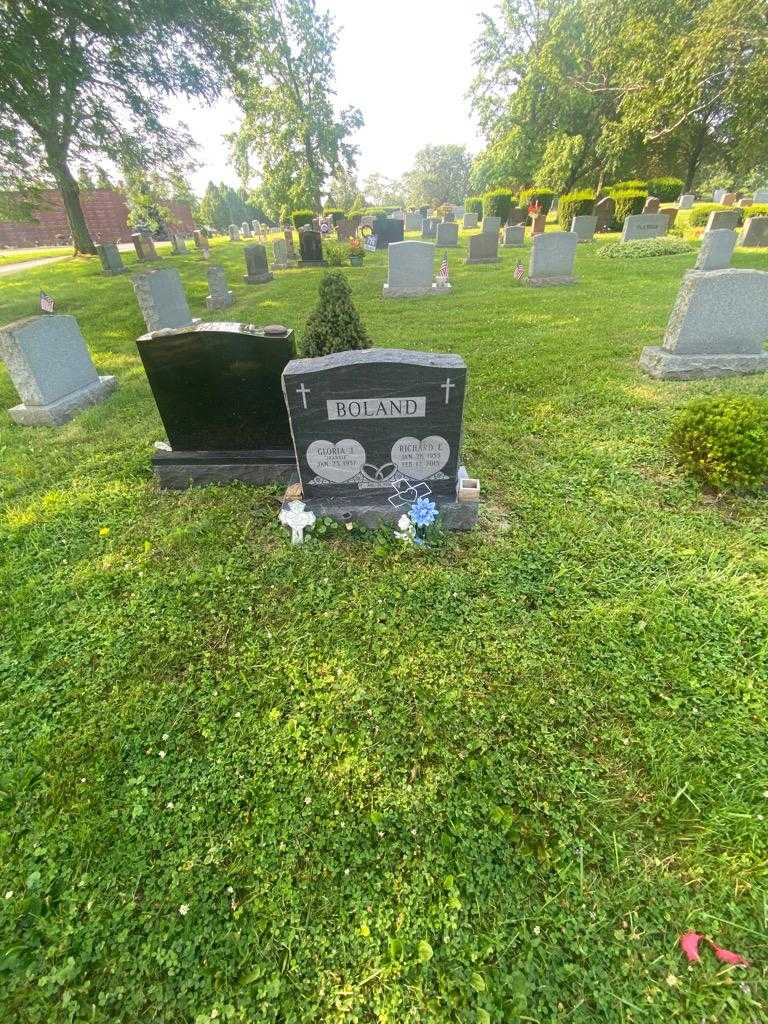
51	369
513	236
717	328
716	249
111	260
217	389
483	248
311	248
220	296
583	226
755	233
551	261
162	300
256	269
644	225
374	430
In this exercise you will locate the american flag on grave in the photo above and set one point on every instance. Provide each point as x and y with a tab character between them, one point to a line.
519	271
443	275
47	304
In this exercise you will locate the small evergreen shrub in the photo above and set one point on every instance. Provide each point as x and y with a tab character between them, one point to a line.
543	196
335	253
302	217
628	186
666	189
474	204
574	204
334	325
664	245
699	215
724	441
626	203
335	213
498	203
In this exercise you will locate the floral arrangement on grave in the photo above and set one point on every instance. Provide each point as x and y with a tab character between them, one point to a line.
534	209
413	525
334	325
356	251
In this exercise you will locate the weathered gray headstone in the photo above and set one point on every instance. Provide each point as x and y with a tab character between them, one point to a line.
413	222
551	262
288	236
539	224
670	212
145	247
470	221
484	248
411	266
517	215
220	296
718	196
447	234
429	227
583	226
716	249
256	269
723	219
717	328
644	225
755	232
729	198
604	211
311	248
651	205
245	229
162	299
280	254
491	225
760	196
375	429
345	230
178	245
514	236
201	242
686	201
234	233
51	369
111	260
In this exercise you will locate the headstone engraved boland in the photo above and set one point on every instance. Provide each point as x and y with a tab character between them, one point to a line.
551	261
484	248
234	233
288	236
162	300
311	248
755	233
280	254
429	227
644	225
491	225
220	296
470	221
604	211
145	247
583	226
217	389
111	260
413	222
370	425
411	265
686	201
256	269
178	245
447	234
514	236
723	219
651	205
716	249
717	328
51	369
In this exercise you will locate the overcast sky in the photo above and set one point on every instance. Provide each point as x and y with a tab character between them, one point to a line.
406	64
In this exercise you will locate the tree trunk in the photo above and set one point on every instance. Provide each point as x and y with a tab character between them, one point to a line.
70	194
693	158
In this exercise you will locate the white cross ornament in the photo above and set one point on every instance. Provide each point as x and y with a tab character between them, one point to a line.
297	519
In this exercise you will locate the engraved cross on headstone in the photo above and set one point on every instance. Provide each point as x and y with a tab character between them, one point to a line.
447	388
303	391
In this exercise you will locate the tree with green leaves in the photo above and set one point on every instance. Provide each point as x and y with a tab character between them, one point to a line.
84	79
343	191
286	90
223	205
440	174
382	191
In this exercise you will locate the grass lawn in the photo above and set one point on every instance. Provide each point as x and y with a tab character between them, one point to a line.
8	256
493	782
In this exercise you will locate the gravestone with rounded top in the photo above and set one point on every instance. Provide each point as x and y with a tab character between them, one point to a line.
686	201
718	195
583	226
375	429
644	225
111	260
491	225
718	327
723	219
51	369
551	262
245	229
162	299
484	248
234	233
716	249
256	269
470	221
514	236
220	296
604	211
411	266
755	233
651	205
447	234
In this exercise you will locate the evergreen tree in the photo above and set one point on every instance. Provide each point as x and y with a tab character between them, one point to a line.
334	325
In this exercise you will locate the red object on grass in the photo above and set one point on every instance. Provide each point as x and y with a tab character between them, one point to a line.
689	943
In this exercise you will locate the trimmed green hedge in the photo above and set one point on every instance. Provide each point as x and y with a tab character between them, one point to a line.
335	212
498	203
724	441
544	196
756	210
627	186
639	248
574	204
474	204
699	215
302	217
626	203
666	189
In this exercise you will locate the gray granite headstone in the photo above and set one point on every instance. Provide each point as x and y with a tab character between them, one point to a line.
256	269
604	211
280	254
760	196
51	369
411	265
311	248
484	248
201	241
755	232
651	205
234	233
551	262
470	221
514	236
220	296
162	299
517	215
491	225
718	196
644	225
369	424
413	222
447	234
583	226
723	219
145	247
716	249
178	245
345	229
111	260
429	227
718	327
288	236
686	201
245	229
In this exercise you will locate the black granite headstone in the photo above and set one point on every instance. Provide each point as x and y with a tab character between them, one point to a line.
388	229
217	389
256	269
311	248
